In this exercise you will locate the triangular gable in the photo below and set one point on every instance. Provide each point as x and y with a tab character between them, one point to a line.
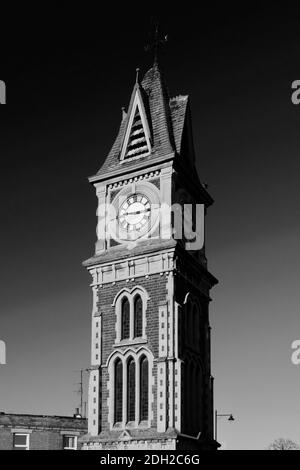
151	99
136	143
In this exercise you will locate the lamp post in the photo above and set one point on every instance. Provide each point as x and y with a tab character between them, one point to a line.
217	415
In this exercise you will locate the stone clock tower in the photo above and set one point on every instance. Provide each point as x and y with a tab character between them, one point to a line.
150	383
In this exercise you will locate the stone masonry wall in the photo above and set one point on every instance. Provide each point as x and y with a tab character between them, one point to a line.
156	287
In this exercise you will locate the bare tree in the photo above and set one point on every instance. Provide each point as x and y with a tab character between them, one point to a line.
283	444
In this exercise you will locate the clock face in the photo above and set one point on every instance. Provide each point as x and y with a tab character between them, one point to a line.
134	214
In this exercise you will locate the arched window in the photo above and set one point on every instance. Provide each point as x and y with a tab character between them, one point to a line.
125	319
189	326
138	317
195	326
200	395
196	399
144	389
131	390
118	391
187	396
192	398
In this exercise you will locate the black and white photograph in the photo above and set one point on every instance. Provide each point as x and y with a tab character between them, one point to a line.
150	227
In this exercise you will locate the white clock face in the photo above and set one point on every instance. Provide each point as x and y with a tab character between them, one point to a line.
134	214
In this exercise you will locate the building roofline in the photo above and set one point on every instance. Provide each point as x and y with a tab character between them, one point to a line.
31	415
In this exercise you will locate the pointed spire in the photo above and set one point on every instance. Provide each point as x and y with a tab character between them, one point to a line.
154	85
124	114
158	121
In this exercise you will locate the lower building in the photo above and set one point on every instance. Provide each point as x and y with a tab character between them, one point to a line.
38	432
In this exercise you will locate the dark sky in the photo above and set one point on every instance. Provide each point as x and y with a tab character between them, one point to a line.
68	73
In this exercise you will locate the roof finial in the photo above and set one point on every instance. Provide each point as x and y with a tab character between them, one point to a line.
124	114
157	42
137	70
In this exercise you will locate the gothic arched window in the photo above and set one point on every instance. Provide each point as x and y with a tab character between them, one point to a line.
195	326
125	319
144	389
186	393
195	393
192	398
131	390
138	317
200	397
189	325
118	391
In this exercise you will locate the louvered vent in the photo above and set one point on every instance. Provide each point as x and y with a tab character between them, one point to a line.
137	143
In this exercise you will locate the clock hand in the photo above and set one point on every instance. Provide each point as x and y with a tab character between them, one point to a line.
137	212
133	213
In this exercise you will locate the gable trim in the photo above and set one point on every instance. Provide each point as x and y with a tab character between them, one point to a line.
137	104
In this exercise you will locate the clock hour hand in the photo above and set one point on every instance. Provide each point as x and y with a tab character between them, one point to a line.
133	213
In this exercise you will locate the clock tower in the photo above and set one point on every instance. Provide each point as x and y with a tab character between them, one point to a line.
150	384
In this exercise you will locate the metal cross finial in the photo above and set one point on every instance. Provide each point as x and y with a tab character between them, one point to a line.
157	43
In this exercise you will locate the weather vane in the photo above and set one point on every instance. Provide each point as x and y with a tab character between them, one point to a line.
157	43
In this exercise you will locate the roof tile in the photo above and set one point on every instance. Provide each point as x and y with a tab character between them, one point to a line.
166	121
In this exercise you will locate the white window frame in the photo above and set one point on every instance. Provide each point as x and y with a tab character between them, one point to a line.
124	356
21	446
192	317
66	436
117	303
137	104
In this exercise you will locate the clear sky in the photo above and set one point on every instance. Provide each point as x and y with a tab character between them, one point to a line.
66	83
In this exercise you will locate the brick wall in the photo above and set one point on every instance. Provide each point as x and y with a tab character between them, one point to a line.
156	287
46	432
6	439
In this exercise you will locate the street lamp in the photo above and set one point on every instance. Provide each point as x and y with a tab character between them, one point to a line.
217	415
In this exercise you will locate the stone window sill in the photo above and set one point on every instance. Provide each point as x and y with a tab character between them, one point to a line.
131	425
130	342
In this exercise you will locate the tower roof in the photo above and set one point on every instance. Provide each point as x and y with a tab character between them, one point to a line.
160	120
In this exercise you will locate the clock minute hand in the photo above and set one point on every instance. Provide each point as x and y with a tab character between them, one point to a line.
136	212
